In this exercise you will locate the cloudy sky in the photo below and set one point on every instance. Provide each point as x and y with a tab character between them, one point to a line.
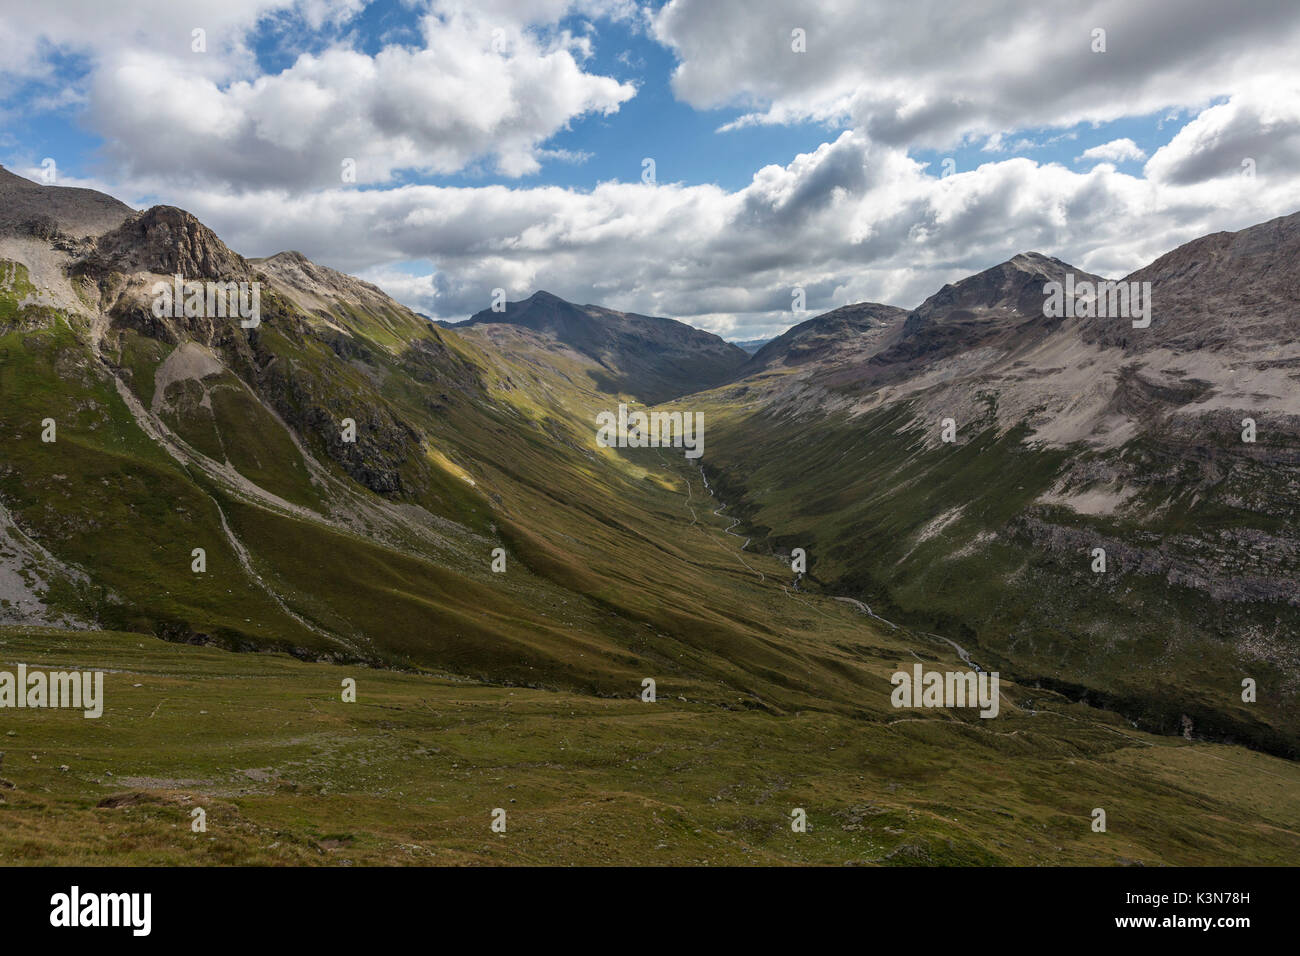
697	158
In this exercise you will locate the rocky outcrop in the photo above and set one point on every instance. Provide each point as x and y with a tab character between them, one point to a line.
166	241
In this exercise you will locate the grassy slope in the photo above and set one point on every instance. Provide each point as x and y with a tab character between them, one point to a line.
102	496
411	772
580	607
911	529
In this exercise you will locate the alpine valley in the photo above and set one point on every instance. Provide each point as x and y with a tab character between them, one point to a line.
235	520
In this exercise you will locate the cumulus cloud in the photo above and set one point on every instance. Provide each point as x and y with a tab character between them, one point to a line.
851	221
32	32
930	73
482	85
1116	151
1255	133
433	110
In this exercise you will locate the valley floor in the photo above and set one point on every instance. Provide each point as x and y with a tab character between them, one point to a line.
412	771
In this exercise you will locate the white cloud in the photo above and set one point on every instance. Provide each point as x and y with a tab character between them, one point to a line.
1256	132
482	86
31	32
851	221
931	73
257	156
1116	151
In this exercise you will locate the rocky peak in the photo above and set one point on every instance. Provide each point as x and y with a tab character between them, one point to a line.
301	273
167	241
1015	285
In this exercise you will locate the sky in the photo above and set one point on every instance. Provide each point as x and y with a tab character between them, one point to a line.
701	159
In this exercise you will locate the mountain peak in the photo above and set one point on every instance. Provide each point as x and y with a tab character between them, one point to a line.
652	357
301	275
1035	262
1013	285
288	255
167	240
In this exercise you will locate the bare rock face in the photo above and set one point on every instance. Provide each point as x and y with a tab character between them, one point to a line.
999	309
47	212
299	274
1228	290
167	241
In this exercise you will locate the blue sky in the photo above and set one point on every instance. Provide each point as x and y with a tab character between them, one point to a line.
686	143
520	167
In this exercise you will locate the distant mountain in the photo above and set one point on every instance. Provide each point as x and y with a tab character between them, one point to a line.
831	333
751	345
656	359
871	343
999	309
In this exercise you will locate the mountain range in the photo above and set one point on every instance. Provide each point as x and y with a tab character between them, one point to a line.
354	485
